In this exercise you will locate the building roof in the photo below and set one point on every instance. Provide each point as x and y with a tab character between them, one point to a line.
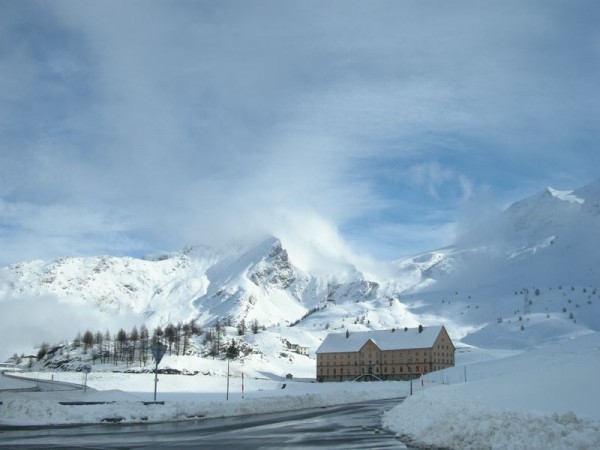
384	339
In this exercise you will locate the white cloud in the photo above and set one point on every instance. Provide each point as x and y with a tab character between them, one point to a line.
35	313
147	124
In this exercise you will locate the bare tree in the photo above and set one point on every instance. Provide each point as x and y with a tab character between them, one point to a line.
187	334
144	344
122	342
88	340
134	337
170	336
157	334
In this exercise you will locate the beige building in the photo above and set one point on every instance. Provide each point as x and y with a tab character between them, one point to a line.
396	354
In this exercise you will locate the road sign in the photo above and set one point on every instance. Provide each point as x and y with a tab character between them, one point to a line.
158	351
86	368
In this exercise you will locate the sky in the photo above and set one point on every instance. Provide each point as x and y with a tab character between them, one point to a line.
384	127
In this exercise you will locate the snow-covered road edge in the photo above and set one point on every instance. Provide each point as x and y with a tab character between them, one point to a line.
27	411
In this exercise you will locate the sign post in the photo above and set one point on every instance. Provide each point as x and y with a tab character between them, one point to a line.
158	351
86	369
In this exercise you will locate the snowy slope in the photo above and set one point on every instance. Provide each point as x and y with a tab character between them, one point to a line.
542	399
530	277
251	282
534	279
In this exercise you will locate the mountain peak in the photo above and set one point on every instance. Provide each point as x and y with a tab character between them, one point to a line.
273	269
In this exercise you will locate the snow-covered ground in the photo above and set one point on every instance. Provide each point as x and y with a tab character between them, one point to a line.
547	398
185	397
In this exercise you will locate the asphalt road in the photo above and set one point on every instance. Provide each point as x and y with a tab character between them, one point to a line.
356	426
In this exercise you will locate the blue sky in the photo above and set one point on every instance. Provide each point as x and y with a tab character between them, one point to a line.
133	127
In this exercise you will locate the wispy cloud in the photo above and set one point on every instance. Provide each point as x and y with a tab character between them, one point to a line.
433	176
130	127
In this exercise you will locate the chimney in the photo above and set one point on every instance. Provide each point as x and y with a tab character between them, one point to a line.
420	328
347	334
405	328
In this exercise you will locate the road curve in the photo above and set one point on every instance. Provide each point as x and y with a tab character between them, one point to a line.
356	426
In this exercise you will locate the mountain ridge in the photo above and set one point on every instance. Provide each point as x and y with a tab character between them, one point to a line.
540	243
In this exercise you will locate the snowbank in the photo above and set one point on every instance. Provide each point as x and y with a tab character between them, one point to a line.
126	407
543	399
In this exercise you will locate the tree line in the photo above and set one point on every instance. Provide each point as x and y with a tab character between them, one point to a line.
134	346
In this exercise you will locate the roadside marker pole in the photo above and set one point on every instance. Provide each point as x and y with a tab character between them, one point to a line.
227	397
242	385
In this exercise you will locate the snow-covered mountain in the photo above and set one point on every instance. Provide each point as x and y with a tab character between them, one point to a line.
529	276
524	278
257	282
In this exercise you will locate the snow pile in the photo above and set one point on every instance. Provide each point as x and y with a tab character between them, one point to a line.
453	424
543	399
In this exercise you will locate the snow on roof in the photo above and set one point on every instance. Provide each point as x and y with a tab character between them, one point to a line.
384	339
